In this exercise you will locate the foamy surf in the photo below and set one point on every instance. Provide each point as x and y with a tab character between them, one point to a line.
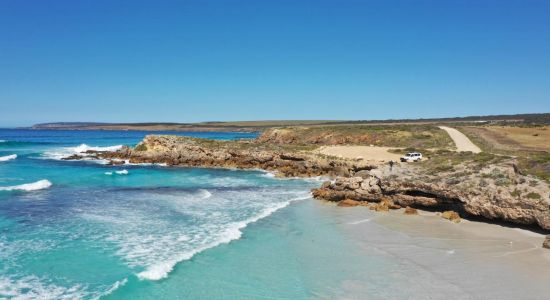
8	157
32	287
34	186
232	232
61	153
120	172
204	194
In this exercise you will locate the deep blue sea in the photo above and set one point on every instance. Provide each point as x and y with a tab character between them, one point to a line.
86	230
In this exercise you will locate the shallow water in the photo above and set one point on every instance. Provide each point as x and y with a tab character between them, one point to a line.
153	232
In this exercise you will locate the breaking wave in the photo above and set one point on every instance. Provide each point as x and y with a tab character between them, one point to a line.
38	185
61	153
232	232
120	172
8	157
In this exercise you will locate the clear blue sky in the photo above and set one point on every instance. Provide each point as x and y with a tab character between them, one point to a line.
187	61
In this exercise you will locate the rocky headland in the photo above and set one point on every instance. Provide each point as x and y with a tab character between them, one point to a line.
491	189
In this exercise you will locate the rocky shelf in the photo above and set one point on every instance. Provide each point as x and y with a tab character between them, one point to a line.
494	192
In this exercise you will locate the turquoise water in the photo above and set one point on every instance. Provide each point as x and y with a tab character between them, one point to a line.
86	230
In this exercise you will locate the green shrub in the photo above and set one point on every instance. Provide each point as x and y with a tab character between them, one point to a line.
141	147
533	195
516	193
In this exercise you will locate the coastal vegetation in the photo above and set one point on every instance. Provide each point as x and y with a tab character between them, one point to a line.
405	135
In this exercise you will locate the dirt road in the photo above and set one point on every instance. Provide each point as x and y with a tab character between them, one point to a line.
462	142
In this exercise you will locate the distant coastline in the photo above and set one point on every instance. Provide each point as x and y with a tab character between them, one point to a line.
256	126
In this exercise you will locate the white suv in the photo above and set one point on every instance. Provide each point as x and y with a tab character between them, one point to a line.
412	156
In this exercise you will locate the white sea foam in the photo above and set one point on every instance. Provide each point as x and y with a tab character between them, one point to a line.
271	174
120	172
268	175
114	287
60	153
359	222
32	287
204	194
232	232
38	185
83	148
8	157
128	163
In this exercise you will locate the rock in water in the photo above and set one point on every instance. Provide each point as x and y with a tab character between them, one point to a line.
452	216
546	243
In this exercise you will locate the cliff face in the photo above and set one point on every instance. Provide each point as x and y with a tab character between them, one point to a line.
524	200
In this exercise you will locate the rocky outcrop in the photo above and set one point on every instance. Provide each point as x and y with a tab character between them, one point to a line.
491	202
193	152
495	192
546	243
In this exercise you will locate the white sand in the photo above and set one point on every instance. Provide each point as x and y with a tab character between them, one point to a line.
469	260
364	152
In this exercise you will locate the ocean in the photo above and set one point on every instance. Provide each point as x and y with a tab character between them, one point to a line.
87	230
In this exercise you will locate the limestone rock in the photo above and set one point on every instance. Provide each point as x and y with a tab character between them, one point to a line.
410	211
348	203
452	216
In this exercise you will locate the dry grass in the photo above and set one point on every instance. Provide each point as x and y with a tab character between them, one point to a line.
535	138
418	136
528	144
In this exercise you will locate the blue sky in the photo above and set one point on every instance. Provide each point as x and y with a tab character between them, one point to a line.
188	61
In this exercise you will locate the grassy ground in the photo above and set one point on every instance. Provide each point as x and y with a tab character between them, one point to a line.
419	136
530	145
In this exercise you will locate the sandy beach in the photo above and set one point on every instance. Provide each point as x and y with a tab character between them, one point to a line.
470	260
373	153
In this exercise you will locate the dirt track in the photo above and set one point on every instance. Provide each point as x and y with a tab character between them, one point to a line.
462	142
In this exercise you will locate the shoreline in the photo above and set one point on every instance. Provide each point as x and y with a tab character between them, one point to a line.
510	256
358	182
